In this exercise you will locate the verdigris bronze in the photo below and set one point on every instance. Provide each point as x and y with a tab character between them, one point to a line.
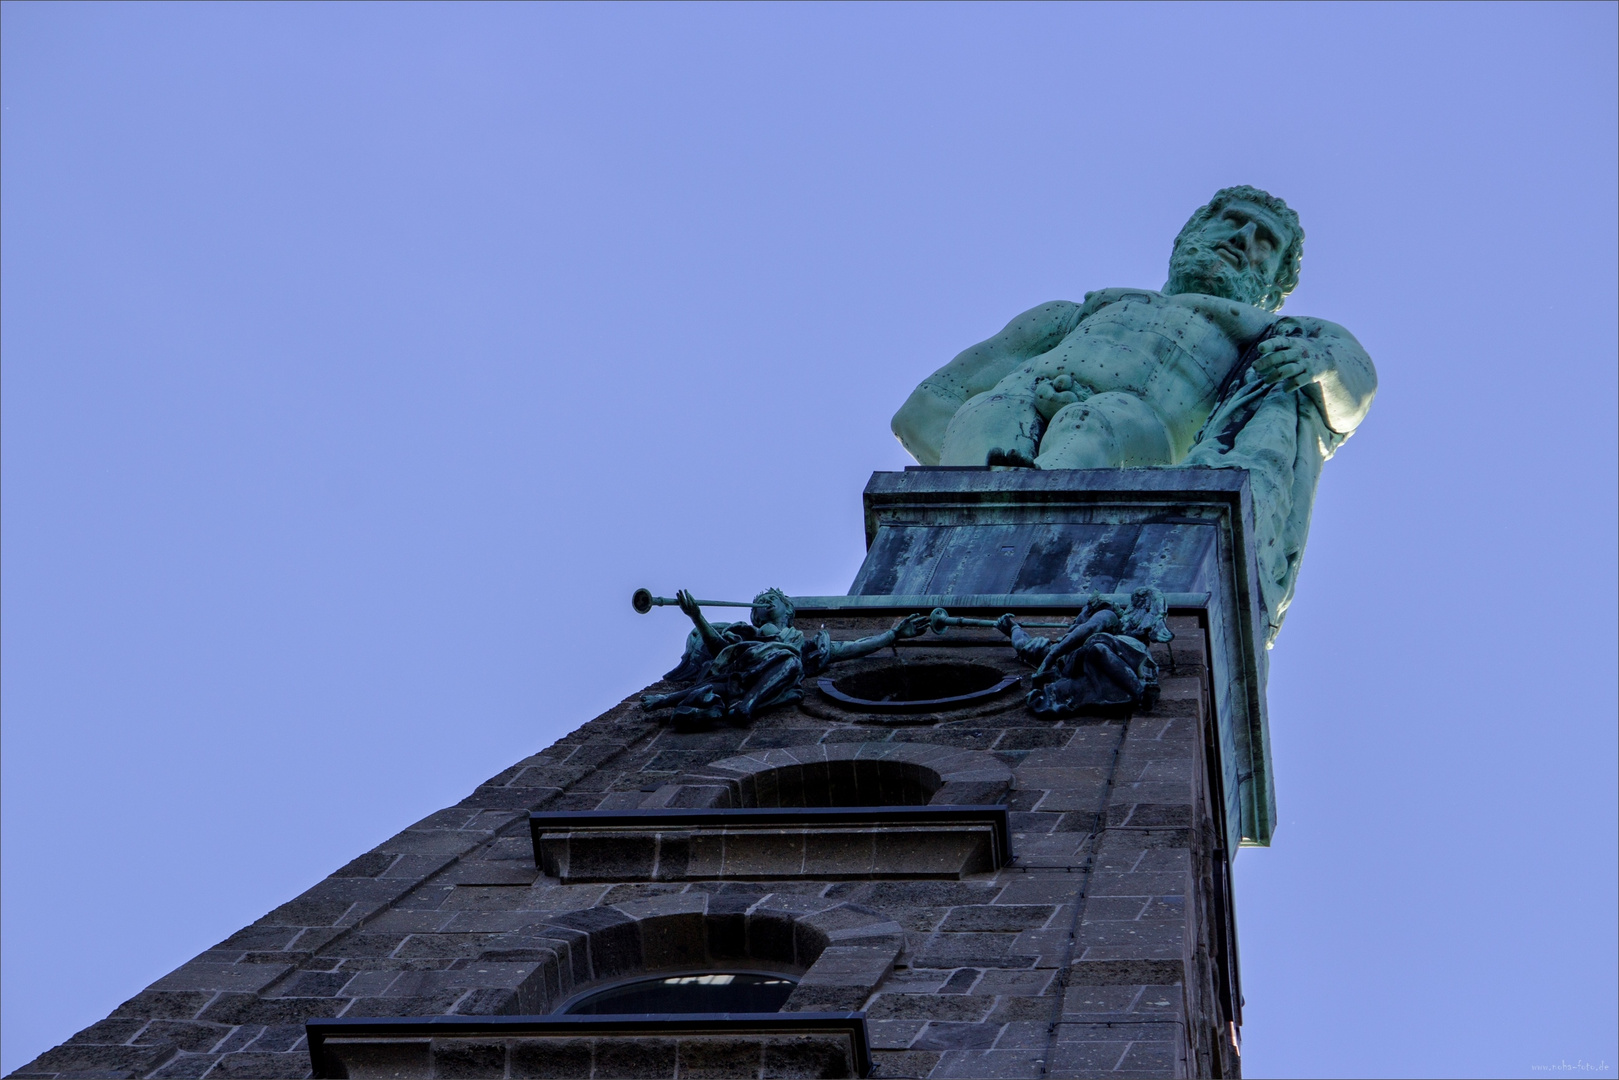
1102	663
1204	372
941	621
737	670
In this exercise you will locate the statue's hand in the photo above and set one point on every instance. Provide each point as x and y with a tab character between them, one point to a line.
1051	395
688	603
1291	362
911	626
1005	623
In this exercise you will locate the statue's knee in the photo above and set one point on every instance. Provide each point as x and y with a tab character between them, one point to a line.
1078	437
1001	420
1107	431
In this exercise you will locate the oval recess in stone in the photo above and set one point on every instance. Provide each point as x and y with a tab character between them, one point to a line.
925	686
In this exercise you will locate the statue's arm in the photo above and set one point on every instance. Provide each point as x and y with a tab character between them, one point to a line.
1347	385
712	641
850	650
1104	621
920	422
1329	365
908	627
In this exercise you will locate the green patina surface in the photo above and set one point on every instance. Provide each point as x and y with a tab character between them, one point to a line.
1204	372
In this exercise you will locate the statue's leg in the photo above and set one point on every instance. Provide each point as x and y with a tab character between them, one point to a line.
776	680
1003	422
668	701
1105	431
1107	679
699	711
1029	648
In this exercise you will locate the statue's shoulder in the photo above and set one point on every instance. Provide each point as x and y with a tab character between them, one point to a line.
1034	331
1043	320
1317	328
1101	298
1045	324
1243	323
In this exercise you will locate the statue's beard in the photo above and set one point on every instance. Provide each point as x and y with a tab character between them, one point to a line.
1197	270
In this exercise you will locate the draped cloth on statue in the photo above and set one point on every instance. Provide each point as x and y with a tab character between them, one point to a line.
1109	671
1281	438
754	671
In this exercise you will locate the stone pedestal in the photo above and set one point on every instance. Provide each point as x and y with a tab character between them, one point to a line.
994	536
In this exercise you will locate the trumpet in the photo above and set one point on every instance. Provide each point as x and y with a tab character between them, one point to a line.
941	620
643	601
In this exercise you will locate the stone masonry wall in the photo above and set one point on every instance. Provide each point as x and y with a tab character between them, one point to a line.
1101	950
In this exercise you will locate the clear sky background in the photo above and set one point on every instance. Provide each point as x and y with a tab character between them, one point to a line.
359	361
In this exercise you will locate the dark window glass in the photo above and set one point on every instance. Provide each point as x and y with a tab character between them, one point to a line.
716	992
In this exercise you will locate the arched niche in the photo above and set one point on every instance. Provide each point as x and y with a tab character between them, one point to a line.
838	952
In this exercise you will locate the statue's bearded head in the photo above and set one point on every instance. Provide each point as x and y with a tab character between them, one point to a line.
1245	245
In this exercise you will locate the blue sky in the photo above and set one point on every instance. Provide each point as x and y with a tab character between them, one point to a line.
358	361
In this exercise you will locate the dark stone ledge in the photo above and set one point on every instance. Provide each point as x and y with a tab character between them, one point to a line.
816	842
414	1046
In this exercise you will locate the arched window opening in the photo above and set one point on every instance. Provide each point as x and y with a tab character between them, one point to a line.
841	783
698	992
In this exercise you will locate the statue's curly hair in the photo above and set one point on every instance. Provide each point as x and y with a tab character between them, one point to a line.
1145	617
776	596
1287	278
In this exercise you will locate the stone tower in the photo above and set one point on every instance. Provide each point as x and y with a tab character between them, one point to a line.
905	874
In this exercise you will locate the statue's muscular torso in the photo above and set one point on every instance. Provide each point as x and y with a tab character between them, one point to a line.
1126	378
1171	352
